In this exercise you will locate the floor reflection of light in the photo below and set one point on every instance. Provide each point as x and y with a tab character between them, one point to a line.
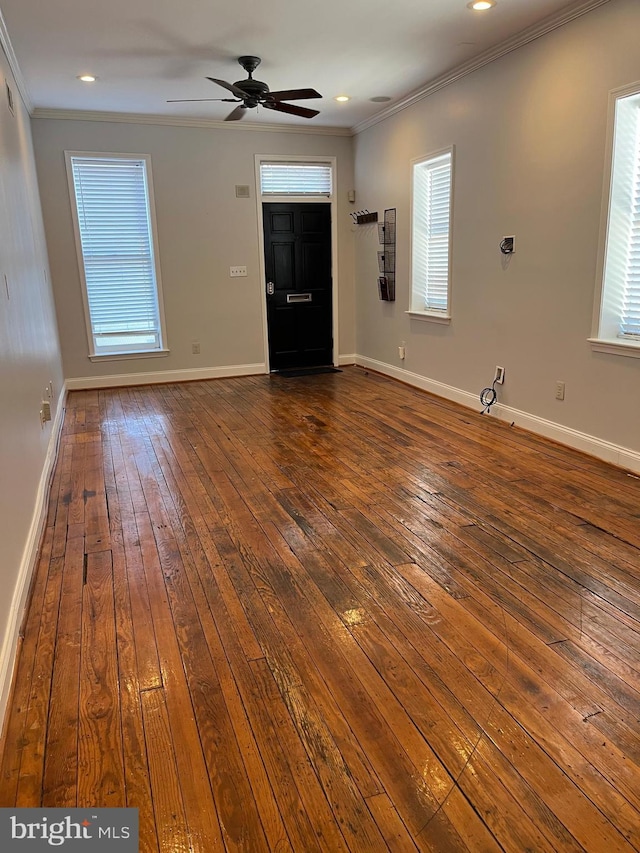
355	616
435	783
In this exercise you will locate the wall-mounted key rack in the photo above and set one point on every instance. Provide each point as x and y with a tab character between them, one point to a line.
364	217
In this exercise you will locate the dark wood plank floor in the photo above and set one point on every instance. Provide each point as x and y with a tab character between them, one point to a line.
331	613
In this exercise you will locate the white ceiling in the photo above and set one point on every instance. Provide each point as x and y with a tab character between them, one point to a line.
147	51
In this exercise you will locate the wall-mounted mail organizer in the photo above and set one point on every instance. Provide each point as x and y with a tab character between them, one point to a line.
387	256
364	217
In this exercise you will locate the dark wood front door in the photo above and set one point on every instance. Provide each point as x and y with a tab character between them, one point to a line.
297	249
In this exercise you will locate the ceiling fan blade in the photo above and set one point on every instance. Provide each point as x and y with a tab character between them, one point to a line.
237	92
294	94
191	100
292	109
237	114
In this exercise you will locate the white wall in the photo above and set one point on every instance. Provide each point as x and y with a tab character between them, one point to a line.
529	131
29	360
203	229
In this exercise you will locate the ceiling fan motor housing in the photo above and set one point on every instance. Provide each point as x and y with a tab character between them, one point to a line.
255	90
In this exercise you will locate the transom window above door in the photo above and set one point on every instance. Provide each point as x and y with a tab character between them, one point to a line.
295	179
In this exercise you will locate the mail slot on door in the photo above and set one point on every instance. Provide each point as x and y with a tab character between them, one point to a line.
299	297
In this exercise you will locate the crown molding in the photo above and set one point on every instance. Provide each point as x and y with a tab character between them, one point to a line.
547	25
5	42
175	121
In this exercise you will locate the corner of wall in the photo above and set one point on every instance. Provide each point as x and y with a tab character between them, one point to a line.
29	563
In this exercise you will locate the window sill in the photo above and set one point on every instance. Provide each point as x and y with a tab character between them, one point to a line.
429	316
123	356
616	347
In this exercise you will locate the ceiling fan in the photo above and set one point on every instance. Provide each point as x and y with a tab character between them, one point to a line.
252	93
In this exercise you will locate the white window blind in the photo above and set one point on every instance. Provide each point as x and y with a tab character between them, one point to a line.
622	265
115	229
295	179
431	233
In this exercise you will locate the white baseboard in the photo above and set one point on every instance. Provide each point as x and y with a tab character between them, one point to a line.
623	457
118	380
346	359
29	562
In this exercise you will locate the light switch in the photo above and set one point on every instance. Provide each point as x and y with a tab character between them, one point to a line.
237	272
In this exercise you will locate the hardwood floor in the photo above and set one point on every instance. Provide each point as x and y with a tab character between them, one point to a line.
331	613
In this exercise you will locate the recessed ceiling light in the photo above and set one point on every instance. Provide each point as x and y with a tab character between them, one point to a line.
380	99
481	5
342	98
87	78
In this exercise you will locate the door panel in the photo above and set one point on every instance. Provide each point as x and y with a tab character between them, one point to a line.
314	267
283	326
312	221
281	222
297	247
284	263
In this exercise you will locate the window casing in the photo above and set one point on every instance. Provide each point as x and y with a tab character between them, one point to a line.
432	195
617	317
113	211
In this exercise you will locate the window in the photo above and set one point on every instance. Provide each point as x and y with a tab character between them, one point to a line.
295	179
113	216
431	235
618	314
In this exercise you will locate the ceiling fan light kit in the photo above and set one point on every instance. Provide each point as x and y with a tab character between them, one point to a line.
251	93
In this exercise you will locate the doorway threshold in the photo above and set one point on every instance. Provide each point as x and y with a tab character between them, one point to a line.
304	371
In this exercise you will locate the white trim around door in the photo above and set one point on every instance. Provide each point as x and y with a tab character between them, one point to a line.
260	199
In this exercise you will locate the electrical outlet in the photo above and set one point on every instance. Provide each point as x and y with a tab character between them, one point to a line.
402	351
499	376
237	272
195	348
559	390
